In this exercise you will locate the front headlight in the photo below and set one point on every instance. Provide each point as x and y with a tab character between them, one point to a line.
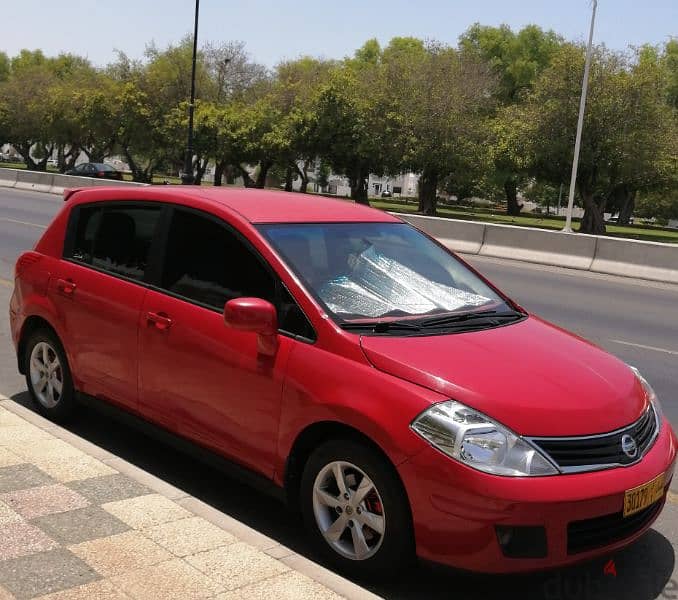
479	442
651	395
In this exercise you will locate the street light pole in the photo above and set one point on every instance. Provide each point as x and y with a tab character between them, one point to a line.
580	123
187	176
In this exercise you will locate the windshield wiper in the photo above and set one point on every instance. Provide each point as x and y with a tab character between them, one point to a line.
380	326
489	315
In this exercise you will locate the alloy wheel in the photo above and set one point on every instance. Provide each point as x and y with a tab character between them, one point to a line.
348	510
46	373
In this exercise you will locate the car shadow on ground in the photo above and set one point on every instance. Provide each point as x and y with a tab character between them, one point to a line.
641	572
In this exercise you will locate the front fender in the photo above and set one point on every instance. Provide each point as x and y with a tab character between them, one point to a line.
324	387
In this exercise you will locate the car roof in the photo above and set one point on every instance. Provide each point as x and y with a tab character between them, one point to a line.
255	205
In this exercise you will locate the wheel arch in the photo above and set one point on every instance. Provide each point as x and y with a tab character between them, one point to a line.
313	436
31	324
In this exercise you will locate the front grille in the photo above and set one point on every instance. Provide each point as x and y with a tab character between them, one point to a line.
602	531
576	454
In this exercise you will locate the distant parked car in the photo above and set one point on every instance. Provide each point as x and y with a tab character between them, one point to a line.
100	170
386	194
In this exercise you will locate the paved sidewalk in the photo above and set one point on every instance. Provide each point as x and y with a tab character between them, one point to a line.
76	522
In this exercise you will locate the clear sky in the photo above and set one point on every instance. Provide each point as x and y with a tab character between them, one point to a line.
274	30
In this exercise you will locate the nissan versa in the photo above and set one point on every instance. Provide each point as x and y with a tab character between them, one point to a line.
400	401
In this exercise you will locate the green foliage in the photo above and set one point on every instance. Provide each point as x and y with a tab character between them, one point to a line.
494	114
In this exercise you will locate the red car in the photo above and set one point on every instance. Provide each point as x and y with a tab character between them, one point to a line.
394	396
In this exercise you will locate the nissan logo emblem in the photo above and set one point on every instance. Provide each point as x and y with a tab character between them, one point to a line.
629	446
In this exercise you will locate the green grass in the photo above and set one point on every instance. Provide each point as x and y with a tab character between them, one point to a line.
636	232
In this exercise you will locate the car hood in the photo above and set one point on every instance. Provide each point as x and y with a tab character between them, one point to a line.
531	376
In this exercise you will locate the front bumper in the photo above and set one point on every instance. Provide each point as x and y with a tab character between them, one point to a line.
455	509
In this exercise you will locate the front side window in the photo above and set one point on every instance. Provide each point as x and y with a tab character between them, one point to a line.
376	270
116	238
207	263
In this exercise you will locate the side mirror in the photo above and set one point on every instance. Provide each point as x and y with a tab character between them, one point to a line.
257	316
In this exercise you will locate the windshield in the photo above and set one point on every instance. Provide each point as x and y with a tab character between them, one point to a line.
375	270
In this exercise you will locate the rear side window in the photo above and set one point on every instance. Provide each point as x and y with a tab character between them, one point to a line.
116	239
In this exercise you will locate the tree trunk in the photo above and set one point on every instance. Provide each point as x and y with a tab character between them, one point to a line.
219	172
303	175
593	221
230	175
264	167
247	180
513	208
289	178
428	192
201	167
358	181
627	207
138	175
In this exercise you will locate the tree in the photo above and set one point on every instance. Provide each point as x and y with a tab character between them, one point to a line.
347	126
628	138
438	102
28	112
517	59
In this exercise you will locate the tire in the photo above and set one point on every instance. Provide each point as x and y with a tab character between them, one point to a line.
384	506
47	369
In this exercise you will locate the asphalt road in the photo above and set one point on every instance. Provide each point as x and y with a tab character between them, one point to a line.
636	320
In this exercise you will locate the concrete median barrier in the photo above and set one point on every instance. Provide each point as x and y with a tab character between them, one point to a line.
539	246
633	258
34	180
460	236
8	177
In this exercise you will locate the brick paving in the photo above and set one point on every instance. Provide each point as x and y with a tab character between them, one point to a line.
73	527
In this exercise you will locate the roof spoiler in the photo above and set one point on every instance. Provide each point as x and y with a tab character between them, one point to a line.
68	192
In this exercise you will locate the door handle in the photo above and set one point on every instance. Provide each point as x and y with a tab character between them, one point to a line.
160	320
66	287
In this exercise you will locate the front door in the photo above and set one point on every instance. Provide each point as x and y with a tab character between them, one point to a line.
198	377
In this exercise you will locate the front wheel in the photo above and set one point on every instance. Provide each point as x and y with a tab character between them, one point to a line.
48	376
355	509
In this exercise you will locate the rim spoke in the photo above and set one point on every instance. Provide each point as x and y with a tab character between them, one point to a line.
335	530
374	521
50	390
35	363
57	385
359	543
41	384
339	476
45	355
365	487
324	497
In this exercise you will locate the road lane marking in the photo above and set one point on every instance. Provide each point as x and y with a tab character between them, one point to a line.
6	282
23	223
644	347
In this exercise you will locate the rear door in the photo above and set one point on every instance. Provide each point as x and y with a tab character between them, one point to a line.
197	376
99	289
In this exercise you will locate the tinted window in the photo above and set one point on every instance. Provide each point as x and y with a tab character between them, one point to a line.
87	225
207	263
116	238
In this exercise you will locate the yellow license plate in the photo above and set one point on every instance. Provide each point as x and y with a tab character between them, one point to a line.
641	497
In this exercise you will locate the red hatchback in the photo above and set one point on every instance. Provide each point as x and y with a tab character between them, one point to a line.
343	357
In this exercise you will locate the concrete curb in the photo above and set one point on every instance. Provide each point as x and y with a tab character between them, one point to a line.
243	532
53	183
